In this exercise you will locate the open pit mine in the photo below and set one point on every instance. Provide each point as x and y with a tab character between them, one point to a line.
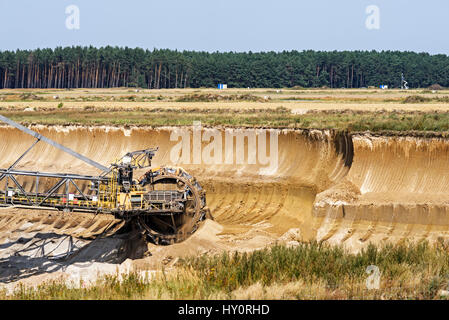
250	184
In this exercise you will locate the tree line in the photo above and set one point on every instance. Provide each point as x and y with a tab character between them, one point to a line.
106	67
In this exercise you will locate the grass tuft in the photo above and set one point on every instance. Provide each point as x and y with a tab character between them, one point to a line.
307	271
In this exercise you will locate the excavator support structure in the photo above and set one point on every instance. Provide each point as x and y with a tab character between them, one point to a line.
166	203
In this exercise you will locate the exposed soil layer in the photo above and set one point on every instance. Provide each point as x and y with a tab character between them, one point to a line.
322	185
396	189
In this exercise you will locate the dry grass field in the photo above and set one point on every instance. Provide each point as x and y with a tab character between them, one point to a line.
297	100
342	109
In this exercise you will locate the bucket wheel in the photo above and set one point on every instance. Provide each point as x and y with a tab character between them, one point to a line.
169	227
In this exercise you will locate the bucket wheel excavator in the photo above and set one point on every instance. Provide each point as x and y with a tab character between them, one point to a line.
166	203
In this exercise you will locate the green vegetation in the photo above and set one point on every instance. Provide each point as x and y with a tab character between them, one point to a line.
280	117
211	97
307	271
107	67
421	99
318	262
216	97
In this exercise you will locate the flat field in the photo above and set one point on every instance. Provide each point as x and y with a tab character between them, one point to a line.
343	109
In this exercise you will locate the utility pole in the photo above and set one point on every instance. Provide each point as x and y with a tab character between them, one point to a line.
404	84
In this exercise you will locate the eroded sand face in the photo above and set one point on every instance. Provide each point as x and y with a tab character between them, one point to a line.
335	188
396	189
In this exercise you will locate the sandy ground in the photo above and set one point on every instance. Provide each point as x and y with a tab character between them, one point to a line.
296	107
348	190
30	255
299	101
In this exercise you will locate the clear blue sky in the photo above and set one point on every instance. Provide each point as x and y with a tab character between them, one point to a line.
228	25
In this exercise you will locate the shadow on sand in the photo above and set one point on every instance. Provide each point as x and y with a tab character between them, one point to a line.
51	252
